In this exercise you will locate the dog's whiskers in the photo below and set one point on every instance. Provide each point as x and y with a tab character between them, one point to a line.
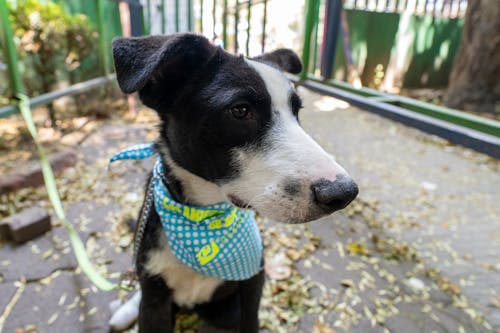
249	204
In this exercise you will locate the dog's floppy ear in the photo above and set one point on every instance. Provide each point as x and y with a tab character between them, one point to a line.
285	59
140	59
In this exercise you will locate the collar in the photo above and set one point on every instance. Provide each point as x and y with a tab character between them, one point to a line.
219	240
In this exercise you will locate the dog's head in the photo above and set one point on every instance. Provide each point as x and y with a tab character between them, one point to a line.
233	121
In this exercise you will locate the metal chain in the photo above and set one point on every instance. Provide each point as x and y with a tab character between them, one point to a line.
148	203
143	218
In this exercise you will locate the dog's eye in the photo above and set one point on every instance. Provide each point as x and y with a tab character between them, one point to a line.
240	112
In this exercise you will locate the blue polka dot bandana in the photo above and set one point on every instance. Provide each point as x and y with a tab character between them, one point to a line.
219	240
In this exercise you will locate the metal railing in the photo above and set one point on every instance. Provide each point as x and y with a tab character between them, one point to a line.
463	128
235	17
222	12
229	14
436	8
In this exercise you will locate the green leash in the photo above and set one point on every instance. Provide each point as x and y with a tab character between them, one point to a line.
76	242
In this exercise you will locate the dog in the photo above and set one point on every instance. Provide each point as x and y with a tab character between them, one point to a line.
229	133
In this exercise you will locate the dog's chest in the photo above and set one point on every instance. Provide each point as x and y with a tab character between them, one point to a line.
188	286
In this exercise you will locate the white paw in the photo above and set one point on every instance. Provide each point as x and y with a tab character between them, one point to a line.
124	315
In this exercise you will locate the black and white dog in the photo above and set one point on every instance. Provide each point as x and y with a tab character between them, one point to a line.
229	132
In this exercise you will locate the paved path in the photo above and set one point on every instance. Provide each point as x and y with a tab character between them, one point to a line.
415	253
41	288
440	199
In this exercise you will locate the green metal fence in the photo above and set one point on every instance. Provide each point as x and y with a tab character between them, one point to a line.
233	23
374	39
312	43
434	8
105	17
371	34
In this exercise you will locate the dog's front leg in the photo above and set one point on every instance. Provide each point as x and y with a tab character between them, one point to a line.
157	311
250	294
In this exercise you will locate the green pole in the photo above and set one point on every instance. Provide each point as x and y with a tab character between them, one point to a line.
163	20
201	16
224	24
148	4
145	27
316	30
101	29
176	15
249	18
10	49
190	15
309	27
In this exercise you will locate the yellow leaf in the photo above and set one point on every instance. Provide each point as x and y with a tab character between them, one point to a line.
322	328
357	249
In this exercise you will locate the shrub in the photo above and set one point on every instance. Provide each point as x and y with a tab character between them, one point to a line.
51	43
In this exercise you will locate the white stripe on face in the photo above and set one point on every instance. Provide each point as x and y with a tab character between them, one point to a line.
278	86
276	179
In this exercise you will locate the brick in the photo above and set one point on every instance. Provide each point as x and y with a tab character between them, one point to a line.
4	229
33	176
62	160
27	224
35	265
11	182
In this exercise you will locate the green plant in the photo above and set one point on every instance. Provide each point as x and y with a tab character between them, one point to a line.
51	43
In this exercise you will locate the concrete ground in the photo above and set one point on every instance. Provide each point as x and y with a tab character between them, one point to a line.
439	199
416	252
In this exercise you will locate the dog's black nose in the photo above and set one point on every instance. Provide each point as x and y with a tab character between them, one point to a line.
334	195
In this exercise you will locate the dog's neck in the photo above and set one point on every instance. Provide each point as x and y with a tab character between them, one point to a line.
186	187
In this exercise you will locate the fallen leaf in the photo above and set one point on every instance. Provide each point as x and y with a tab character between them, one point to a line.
347	283
357	249
277	267
322	328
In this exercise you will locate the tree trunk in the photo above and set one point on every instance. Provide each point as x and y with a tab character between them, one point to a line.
475	76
